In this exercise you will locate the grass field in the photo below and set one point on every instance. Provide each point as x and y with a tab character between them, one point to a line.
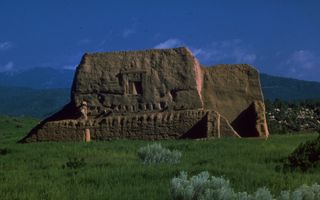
112	170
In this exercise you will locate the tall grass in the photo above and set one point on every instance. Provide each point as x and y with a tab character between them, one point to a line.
112	169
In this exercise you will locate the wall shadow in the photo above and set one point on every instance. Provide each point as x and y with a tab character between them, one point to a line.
199	130
245	123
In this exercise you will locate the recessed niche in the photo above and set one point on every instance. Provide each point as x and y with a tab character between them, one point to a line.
135	87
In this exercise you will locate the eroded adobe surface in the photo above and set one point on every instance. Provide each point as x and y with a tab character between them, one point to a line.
157	94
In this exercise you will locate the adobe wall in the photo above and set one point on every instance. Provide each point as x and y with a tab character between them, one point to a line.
231	89
135	81
157	94
152	126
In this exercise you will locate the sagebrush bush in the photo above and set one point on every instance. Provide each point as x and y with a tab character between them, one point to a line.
306	156
204	187
200	187
307	192
155	154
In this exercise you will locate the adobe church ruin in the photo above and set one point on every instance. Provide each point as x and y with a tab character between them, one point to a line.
157	94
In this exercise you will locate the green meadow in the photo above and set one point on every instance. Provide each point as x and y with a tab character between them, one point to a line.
112	169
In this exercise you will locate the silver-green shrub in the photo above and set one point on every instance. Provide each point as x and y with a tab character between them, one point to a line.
156	154
263	194
284	195
204	187
307	192
201	186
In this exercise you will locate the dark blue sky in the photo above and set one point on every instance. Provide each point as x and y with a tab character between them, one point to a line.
278	37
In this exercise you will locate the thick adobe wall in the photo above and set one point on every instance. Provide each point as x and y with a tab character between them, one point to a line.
157	94
151	126
137	81
235	92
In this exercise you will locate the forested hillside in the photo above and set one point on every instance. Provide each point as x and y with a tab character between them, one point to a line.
274	87
18	101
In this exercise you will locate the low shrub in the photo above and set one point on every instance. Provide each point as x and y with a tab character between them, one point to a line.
306	156
307	192
4	151
74	163
204	187
200	187
155	154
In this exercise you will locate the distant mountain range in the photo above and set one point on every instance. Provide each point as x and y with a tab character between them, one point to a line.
39	92
289	89
39	103
38	78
